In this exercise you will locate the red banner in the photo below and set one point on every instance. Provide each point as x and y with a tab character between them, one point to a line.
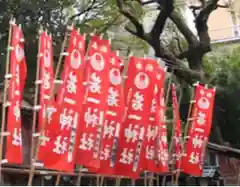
193	160
113	118
162	143
61	147
15	93
150	162
46	77
95	104
177	136
139	90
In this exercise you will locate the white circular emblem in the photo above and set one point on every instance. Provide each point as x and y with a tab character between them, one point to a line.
19	52
115	76
46	58
75	59
97	61
141	80
203	103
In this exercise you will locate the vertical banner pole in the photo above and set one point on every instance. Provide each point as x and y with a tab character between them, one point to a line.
167	100
35	101
58	180
78	183
31	173
145	178
5	95
186	130
178	171
173	132
102	180
118	181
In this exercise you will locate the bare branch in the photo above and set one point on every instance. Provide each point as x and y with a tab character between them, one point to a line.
93	5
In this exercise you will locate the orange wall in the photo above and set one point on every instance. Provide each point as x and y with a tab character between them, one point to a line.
220	24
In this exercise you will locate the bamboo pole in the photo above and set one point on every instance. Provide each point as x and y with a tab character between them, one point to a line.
44	172
98	180
85	100
133	181
35	99
158	182
145	178
151	179
5	94
118	181
79	176
31	174
164	181
167	97
168	89
102	181
173	130
59	176
58	180
186	130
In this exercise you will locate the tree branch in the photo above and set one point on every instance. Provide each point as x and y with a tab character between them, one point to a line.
138	26
223	6
92	6
183	28
166	10
180	69
202	18
146	2
204	44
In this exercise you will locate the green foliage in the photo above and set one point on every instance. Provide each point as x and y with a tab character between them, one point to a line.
224	67
101	16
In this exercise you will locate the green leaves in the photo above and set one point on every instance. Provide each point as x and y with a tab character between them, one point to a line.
224	67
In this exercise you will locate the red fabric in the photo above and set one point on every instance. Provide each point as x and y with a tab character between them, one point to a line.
60	151
113	119
193	160
95	103
139	89
162	143
46	87
47	77
177	139
16	85
150	159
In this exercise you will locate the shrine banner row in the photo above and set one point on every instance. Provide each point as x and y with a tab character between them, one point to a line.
96	121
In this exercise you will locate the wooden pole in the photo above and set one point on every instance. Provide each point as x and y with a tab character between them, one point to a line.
102	181
158	182
118	181
58	180
164	181
98	180
133	181
151	179
186	131
145	178
5	95
166	101
173	130
35	100
31	174
79	176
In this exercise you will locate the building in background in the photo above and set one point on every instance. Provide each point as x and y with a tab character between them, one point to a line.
223	23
